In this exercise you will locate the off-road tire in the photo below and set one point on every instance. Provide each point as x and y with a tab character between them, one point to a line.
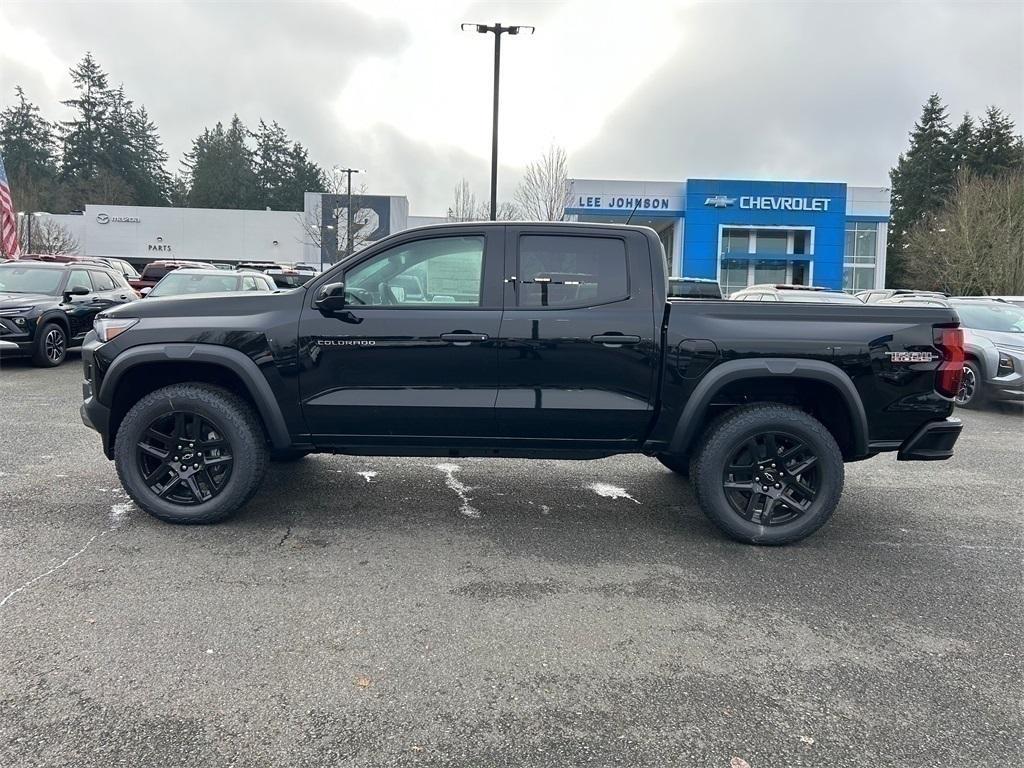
239	426
41	354
728	434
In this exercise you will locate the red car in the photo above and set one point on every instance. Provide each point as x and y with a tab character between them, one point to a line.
155	270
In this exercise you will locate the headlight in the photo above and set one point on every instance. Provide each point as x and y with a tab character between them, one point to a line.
11	311
108	327
1006	362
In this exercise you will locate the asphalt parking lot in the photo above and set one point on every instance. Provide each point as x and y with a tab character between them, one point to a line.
366	611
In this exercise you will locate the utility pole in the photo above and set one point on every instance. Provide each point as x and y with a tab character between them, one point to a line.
498	30
350	228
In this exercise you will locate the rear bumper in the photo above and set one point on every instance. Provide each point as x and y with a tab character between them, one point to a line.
932	442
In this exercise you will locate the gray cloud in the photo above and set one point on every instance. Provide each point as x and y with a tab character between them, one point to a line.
783	90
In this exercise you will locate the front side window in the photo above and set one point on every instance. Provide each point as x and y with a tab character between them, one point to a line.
79	279
434	273
569	271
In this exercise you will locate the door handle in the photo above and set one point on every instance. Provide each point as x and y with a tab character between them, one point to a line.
614	339
460	339
97	299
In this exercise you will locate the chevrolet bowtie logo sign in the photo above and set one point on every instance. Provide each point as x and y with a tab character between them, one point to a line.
720	201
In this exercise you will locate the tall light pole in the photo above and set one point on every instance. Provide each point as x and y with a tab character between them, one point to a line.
350	233
30	216
498	30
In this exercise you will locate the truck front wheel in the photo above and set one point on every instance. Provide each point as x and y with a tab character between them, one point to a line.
190	453
768	474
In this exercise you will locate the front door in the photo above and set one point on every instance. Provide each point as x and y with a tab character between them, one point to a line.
81	308
578	351
413	352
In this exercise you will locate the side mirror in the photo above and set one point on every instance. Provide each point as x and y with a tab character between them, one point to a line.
330	297
78	290
145	291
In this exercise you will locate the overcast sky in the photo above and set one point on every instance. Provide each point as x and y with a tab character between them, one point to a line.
653	90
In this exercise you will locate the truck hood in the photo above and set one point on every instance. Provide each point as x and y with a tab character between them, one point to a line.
202	305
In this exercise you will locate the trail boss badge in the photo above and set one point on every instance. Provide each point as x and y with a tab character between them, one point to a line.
912	357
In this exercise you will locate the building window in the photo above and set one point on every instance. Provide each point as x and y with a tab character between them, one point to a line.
734	275
735	241
772	241
769	271
860	256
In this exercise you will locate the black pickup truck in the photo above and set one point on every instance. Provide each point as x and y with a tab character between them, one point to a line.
519	340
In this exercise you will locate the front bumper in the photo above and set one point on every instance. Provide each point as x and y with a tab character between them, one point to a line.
934	441
95	414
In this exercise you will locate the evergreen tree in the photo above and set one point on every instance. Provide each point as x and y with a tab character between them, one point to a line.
920	181
220	168
997	148
272	165
26	139
306	176
29	151
962	144
153	182
83	135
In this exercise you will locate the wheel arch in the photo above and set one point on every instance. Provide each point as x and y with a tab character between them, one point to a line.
55	316
812	382
143	369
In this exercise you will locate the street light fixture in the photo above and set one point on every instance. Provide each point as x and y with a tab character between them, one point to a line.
350	234
498	30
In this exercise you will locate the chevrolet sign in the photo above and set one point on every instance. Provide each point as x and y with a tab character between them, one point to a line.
765	203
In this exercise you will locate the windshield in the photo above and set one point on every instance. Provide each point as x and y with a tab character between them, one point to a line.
984	317
30	280
291	280
177	284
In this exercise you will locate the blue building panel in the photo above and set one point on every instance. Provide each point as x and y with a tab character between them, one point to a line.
715	204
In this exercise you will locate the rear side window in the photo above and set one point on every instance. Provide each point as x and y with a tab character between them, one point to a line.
569	271
102	281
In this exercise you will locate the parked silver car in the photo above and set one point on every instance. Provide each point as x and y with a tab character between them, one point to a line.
993	345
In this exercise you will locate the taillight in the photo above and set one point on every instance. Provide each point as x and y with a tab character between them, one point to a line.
950	342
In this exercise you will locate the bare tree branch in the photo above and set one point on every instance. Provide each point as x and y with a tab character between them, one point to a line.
545	191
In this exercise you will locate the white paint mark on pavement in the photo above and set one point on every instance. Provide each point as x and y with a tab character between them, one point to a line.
459	487
55	568
611	491
118	512
367	476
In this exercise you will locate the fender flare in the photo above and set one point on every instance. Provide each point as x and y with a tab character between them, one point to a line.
237	362
55	315
778	367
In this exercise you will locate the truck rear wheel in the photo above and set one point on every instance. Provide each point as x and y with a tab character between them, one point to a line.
190	453
768	474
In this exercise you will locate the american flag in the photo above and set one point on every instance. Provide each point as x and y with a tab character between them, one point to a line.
8	221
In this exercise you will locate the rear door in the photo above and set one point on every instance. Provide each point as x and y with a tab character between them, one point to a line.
413	354
80	309
578	351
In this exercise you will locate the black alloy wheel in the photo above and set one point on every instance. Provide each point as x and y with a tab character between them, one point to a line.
55	344
967	395
772	479
184	458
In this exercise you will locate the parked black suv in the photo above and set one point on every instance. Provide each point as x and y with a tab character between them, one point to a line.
46	308
527	340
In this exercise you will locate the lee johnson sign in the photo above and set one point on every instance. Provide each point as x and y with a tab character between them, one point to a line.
623	203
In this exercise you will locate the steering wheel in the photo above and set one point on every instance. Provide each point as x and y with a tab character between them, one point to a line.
358	295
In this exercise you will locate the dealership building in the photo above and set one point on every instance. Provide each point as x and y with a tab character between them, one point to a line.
140	234
747	232
737	232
